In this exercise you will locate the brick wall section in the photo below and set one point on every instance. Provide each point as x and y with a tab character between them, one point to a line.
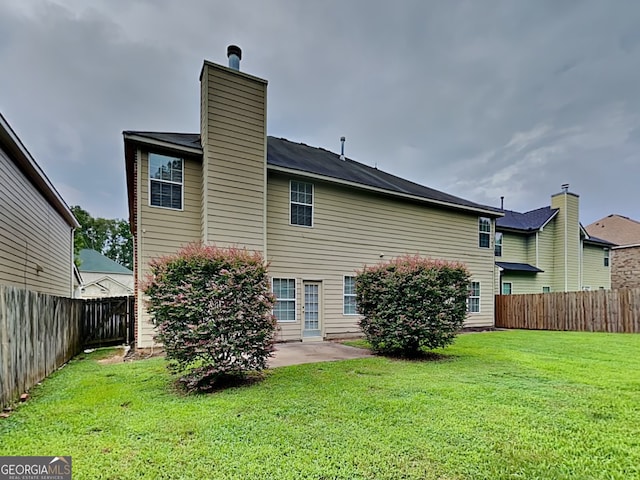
625	268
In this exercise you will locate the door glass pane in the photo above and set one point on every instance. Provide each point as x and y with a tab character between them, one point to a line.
311	310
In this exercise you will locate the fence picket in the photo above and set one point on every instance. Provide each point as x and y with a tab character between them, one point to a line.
615	311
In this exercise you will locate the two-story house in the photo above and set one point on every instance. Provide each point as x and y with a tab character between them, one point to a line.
316	216
548	250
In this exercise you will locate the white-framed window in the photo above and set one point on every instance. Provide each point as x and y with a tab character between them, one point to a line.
498	244
606	257
166	181
473	302
301	199
507	288
484	232
284	290
546	289
350	306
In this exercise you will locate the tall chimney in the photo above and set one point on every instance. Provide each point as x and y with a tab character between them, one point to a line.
234	53
342	140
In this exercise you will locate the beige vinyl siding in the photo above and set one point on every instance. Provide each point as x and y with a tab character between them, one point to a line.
233	122
594	273
32	233
162	231
514	248
567	261
352	228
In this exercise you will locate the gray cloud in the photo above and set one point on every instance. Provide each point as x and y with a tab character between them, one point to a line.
480	99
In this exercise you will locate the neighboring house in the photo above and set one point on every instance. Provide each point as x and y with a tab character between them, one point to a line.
316	216
548	250
102	277
36	225
625	257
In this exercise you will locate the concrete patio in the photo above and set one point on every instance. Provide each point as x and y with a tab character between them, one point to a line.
313	352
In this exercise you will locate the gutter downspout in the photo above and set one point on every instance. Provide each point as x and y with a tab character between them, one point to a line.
566	252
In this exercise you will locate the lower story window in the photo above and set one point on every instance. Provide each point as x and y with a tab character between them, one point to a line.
284	290
546	289
507	288
473	303
349	303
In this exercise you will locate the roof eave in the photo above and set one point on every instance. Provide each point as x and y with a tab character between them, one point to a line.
303	173
162	144
36	175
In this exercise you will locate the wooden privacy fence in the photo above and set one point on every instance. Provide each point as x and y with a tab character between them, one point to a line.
38	333
108	321
597	311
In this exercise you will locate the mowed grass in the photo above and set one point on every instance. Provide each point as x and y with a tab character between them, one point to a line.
499	405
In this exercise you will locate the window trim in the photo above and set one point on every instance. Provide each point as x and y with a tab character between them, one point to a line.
294	299
481	232
478	297
344	295
497	244
149	179
291	202
510	288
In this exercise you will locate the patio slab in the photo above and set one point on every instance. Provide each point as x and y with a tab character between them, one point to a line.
296	353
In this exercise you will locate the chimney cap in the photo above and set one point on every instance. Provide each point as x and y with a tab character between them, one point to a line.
565	187
234	50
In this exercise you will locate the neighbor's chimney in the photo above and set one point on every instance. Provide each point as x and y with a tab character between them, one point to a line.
235	55
342	140
565	188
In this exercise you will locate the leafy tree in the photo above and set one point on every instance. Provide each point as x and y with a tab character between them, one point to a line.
111	237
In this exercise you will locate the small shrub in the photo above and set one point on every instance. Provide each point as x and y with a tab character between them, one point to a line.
411	303
212	307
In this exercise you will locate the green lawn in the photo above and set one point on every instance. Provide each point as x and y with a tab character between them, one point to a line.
512	405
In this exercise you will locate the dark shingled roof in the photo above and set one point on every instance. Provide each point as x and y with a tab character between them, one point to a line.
526	222
599	241
304	158
518	267
189	140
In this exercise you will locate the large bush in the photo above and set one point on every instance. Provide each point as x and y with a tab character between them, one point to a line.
212	308
411	303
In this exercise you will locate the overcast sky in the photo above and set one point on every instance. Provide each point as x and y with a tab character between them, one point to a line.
476	98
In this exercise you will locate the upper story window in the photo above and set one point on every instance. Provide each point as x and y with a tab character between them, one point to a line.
301	203
165	181
349	296
498	244
484	232
606	257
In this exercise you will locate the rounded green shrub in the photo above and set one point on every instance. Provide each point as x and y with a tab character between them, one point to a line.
411	304
212	308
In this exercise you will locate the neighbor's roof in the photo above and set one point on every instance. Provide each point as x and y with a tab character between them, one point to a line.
287	156
528	221
617	229
518	267
93	261
13	146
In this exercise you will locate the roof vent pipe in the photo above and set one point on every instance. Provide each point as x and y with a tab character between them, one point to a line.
342	140
502	202
234	53
565	187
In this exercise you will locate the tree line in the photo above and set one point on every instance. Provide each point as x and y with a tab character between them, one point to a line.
109	236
